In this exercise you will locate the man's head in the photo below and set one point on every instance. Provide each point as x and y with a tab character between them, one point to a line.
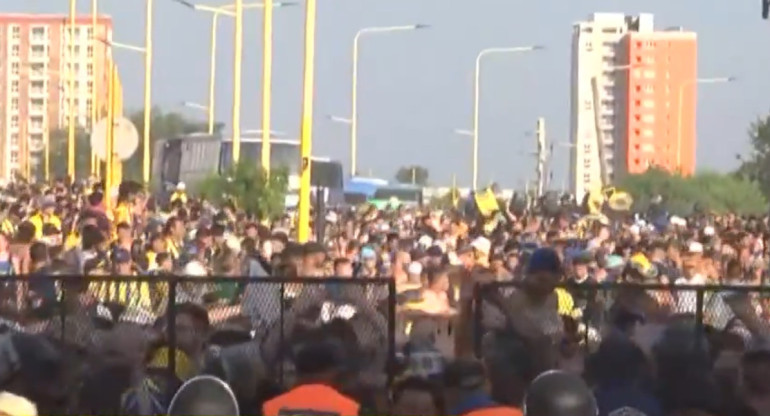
557	393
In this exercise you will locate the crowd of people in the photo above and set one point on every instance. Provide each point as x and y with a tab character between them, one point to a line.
402	310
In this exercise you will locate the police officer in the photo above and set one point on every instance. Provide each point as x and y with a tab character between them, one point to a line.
318	366
557	393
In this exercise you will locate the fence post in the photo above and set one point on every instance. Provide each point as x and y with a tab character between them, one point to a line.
478	316
171	325
699	298
281	345
391	331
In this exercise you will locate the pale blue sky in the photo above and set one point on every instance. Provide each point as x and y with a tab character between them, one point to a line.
416	87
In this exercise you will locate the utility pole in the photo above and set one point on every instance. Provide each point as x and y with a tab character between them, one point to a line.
542	154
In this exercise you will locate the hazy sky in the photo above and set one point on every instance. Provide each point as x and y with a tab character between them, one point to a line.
415	88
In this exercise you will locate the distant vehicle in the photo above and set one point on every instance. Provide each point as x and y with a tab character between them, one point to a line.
359	190
193	157
397	195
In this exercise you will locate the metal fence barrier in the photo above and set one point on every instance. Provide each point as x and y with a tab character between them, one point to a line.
268	312
588	309
82	312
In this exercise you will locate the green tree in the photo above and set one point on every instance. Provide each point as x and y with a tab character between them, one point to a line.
755	167
711	191
58	147
247	185
414	175
162	126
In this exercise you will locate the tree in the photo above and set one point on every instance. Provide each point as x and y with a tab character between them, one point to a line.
709	190
162	126
755	167
249	187
414	175
57	142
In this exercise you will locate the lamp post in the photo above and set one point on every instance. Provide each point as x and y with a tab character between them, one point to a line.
680	108
235	10
306	129
477	99
94	90
354	90
147	93
71	93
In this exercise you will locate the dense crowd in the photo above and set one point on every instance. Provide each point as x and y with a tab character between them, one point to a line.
403	310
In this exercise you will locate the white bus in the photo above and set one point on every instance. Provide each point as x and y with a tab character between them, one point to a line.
191	158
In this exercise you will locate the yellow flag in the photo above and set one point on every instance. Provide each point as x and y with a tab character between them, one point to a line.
487	203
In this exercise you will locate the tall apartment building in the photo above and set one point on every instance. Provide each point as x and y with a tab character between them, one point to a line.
35	64
639	75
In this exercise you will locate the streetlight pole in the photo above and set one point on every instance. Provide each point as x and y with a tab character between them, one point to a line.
267	82
94	89
680	108
354	89
147	94
212	71
306	130
238	55
71	92
477	99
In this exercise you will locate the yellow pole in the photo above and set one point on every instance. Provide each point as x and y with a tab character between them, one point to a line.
267	83
108	185
213	71
46	155
71	88
306	131
237	81
147	94
95	85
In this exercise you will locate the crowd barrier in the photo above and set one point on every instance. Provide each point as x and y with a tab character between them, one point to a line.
79	309
706	306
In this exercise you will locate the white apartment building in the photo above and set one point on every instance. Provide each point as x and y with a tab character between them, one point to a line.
598	53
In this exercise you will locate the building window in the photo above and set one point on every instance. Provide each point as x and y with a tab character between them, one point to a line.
648	89
15	104
14	139
15	86
648	104
589	47
90	33
15	68
14	157
587	106
647	133
649	74
586	178
90	51
588	30
648	118
15	32
90	70
15	50
609	30
14	121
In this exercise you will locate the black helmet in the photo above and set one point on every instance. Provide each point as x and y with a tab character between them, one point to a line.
556	393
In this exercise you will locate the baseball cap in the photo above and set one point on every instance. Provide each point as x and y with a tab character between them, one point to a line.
544	260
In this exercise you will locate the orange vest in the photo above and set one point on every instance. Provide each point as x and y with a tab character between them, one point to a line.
495	411
311	399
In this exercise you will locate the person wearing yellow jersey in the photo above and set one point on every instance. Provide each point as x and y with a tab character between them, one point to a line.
180	194
45	216
132	295
173	234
